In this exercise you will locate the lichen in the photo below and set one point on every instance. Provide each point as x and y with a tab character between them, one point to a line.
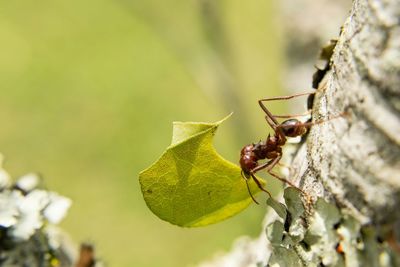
327	236
28	218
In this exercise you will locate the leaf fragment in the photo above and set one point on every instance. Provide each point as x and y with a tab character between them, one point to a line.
191	185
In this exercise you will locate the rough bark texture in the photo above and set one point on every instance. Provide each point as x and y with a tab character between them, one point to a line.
356	159
349	166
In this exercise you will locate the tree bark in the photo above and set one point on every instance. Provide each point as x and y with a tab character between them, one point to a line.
355	160
349	165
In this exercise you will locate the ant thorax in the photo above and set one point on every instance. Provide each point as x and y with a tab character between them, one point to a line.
270	148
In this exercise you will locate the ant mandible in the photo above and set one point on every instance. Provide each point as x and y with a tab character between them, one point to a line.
271	148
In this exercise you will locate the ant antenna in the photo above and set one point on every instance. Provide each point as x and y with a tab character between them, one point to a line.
248	188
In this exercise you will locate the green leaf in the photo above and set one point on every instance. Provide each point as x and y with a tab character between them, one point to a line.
191	184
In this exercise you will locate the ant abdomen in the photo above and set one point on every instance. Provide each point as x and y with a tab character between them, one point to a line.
293	128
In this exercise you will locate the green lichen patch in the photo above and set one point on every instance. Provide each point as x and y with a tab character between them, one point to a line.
293	202
327	237
275	232
279	208
284	257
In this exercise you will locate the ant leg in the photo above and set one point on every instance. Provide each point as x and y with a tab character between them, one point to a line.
270	165
308	112
263	166
275	127
287	182
284	165
269	114
285	97
248	189
269	170
260	185
271	119
283	180
263	107
258	168
271	123
287	166
251	195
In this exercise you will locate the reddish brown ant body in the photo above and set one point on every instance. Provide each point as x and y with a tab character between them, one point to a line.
271	148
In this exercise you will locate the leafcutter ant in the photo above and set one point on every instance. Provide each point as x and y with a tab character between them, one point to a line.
271	148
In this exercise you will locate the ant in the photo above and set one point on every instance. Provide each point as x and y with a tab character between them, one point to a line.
271	148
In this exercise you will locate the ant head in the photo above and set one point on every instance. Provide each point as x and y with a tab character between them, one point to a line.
247	149
248	160
293	128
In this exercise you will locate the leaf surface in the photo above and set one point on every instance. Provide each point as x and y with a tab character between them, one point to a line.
191	185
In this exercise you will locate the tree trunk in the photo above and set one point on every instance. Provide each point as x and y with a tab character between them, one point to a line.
349	164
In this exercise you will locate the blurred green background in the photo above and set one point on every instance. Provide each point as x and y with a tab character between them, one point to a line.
89	90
